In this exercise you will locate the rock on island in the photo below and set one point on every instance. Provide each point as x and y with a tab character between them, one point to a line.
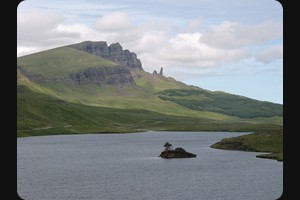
177	153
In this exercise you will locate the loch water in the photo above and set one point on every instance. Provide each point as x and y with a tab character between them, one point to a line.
127	167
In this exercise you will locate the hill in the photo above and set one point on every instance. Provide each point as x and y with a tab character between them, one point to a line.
221	102
93	87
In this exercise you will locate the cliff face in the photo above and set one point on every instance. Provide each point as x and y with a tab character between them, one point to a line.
79	68
103	76
113	52
119	75
95	48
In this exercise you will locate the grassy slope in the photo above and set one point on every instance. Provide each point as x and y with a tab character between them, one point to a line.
269	140
123	97
126	97
60	61
152	84
40	114
221	102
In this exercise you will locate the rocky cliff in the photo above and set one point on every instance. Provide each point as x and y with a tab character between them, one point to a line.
104	76
113	52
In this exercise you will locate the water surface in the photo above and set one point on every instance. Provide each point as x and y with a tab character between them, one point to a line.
127	166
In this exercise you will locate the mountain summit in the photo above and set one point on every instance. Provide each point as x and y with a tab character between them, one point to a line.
113	52
93	87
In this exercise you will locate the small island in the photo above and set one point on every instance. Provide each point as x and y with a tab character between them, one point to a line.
177	153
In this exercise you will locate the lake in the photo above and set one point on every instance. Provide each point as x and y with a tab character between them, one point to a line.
127	167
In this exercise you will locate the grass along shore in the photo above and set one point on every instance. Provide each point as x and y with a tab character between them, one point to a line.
270	141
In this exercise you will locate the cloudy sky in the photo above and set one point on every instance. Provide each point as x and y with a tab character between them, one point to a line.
229	45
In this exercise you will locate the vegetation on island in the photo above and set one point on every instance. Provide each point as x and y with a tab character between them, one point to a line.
178	152
167	146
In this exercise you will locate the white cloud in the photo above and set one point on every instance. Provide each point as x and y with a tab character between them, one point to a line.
116	21
83	31
24	50
37	20
156	42
186	51
269	54
38	30
229	35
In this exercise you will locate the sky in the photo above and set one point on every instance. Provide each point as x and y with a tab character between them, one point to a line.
221	45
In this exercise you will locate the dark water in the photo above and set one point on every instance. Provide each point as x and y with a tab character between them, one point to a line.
121	167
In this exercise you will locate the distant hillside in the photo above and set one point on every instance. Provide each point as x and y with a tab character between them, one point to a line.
91	76
40	114
221	102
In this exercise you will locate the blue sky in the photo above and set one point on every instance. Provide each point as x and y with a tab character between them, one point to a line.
229	45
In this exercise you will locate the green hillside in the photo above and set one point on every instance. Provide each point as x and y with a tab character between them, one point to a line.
59	62
49	105
152	84
140	96
40	114
221	102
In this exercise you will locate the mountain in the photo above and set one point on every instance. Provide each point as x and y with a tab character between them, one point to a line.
93	87
113	52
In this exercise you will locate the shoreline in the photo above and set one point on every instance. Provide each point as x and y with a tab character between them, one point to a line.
130	132
223	144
